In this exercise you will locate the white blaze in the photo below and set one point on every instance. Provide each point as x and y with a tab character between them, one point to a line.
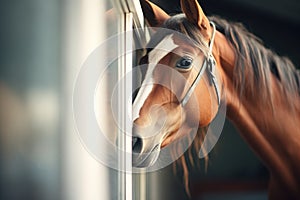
166	46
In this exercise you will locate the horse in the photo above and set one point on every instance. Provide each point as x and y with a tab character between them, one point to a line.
260	89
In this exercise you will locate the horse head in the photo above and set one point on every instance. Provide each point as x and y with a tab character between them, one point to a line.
180	90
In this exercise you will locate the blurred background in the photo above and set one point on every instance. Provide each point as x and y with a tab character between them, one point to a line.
42	46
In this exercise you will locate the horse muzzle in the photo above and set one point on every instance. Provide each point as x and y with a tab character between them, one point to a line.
141	156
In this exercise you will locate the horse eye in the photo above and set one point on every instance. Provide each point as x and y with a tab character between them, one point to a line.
184	63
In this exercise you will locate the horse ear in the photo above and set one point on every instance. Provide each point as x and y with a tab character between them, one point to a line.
154	15
194	13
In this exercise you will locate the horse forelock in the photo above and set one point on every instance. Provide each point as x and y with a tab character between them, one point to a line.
190	31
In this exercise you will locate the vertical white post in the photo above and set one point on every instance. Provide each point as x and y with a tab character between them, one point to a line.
128	104
125	159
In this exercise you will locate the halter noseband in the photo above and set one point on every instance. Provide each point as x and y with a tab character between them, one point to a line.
209	64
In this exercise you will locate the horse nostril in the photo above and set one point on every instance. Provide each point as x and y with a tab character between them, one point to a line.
137	144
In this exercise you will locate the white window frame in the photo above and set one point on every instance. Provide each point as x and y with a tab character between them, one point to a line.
133	19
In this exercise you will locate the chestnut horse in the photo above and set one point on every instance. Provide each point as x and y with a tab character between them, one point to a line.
261	91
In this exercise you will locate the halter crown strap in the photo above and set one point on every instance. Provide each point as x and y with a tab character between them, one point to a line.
210	64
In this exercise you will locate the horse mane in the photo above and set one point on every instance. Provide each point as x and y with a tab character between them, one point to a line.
259	62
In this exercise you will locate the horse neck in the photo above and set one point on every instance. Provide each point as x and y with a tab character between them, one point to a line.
271	131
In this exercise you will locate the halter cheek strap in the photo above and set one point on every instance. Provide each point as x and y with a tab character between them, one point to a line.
209	64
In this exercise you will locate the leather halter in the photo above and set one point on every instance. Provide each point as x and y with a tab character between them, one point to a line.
210	64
